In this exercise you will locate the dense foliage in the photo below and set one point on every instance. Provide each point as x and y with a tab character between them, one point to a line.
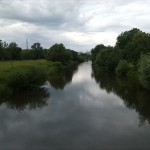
96	50
144	70
122	68
57	52
106	59
9	51
123	58
24	78
29	75
12	51
15	78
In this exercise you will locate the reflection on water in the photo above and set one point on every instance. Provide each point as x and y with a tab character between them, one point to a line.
88	113
36	98
133	95
63	78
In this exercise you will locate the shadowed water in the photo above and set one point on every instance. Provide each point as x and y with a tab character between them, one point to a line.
88	111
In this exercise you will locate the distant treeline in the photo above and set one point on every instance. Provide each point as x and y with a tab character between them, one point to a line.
12	51
129	57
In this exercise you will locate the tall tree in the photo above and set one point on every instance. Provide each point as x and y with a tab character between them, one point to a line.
3	52
14	51
58	53
96	50
38	51
107	59
124	38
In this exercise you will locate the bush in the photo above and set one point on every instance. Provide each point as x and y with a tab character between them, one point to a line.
132	74
122	68
107	59
55	68
144	70
58	53
26	78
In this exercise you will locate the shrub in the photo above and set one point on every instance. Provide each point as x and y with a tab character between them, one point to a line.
122	68
55	68
107	59
26	78
132	74
144	70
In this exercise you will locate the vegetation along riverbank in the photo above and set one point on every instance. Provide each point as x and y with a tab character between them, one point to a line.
130	57
21	75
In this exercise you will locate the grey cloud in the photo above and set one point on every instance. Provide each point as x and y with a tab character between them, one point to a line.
53	13
46	20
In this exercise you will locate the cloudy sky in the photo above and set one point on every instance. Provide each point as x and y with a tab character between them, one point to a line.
78	24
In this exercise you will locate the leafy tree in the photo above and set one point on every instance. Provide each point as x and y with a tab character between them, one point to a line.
73	54
3	47
38	51
1	50
122	68
144	70
13	51
96	50
107	59
124	38
140	44
58	53
27	55
133	43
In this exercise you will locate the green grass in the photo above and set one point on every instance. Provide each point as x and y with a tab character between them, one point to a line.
6	65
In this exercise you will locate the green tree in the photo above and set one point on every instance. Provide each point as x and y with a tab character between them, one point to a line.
13	51
122	68
133	43
124	38
96	50
144	70
107	59
58	53
140	44
27	55
38	51
3	52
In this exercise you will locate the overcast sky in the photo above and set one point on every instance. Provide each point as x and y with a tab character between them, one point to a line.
78	24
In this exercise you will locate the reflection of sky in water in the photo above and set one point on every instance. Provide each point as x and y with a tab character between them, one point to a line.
82	116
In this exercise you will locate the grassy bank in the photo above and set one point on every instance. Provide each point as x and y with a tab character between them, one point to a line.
26	75
21	75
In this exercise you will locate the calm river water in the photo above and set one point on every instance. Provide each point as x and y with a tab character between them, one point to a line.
83	112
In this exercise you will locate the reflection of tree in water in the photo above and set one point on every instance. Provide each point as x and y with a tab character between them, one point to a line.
27	100
60	80
133	95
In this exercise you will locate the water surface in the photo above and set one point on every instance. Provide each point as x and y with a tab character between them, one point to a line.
85	112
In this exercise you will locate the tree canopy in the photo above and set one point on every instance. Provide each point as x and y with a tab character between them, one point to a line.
123	59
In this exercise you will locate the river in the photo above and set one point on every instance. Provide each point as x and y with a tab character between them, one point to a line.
85	112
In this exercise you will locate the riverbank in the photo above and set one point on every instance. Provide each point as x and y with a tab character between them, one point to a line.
20	76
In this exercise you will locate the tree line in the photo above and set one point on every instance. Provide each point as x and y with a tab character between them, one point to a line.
129	57
23	76
57	52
